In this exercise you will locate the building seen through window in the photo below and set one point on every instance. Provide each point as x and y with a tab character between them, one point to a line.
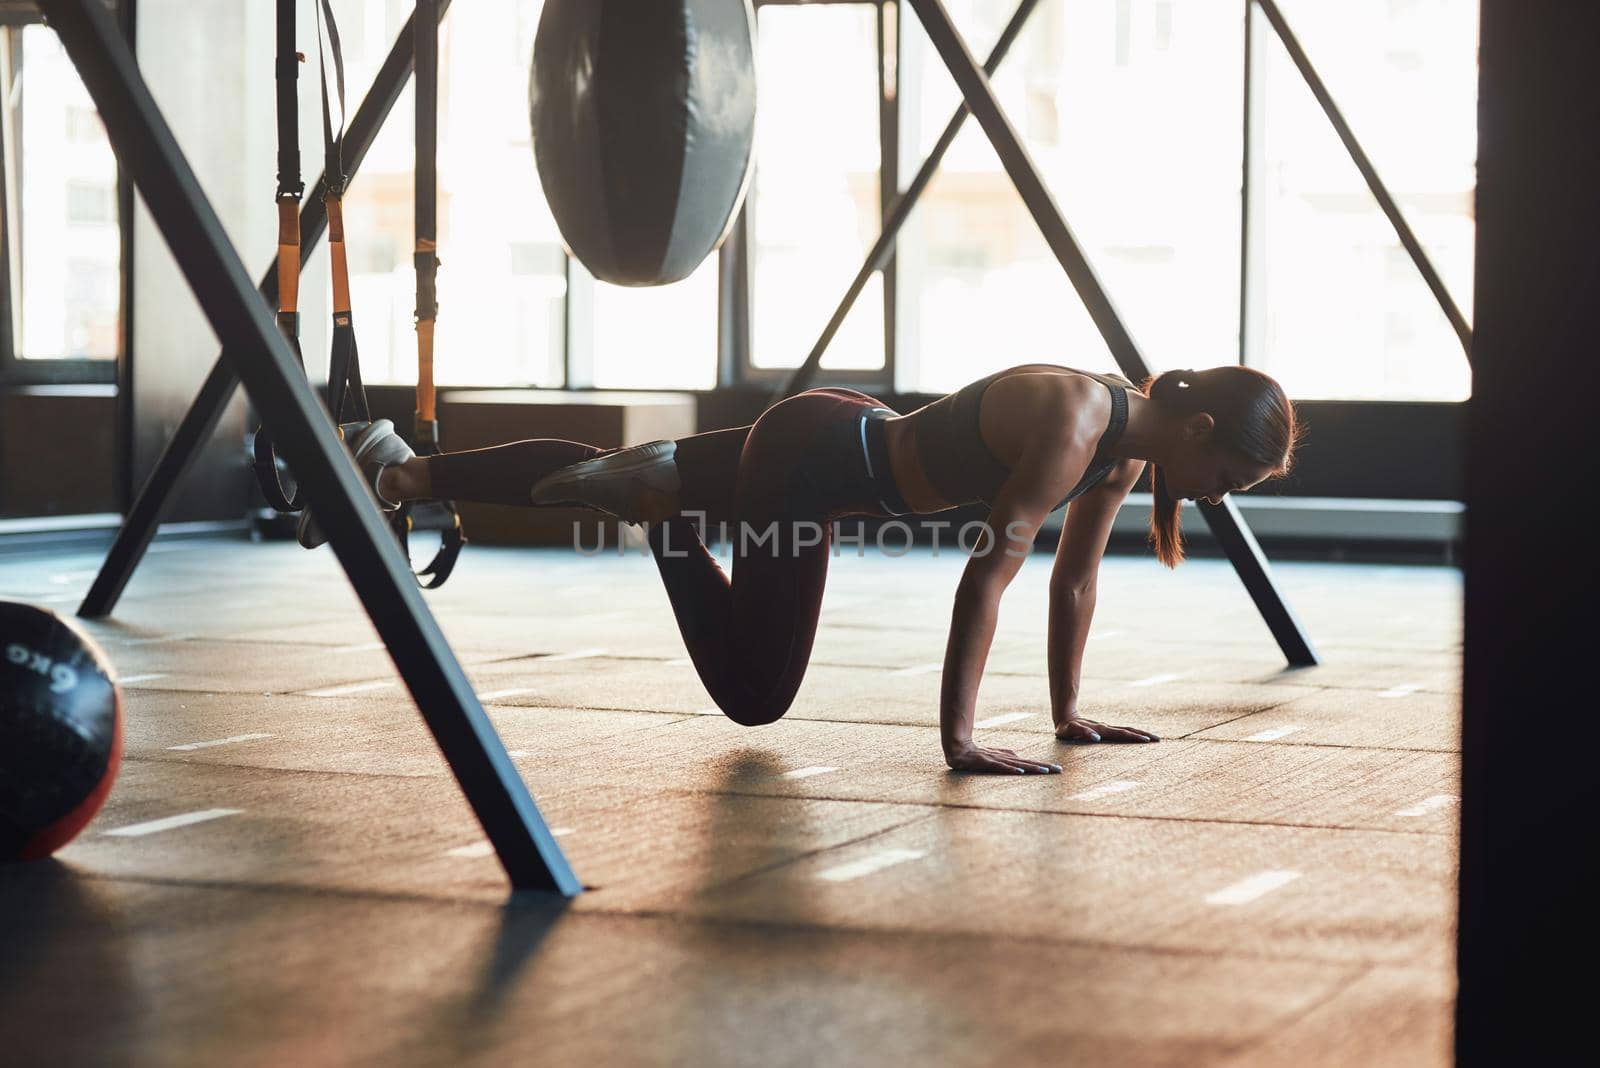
64	255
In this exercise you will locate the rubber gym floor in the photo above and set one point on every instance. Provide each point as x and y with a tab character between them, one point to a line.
1273	883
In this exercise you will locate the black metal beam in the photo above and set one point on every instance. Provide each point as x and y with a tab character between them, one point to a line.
895	218
1224	520
290	408
1380	192
144	515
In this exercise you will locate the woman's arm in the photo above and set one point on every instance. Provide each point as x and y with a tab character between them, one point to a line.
1073	585
1053	459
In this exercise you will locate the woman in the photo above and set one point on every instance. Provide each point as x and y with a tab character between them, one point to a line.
1022	441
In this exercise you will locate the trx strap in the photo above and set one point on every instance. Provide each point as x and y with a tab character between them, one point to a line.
290	189
436	515
345	391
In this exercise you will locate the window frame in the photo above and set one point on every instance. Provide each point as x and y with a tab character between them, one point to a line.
16	370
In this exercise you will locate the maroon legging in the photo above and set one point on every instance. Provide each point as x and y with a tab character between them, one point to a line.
778	484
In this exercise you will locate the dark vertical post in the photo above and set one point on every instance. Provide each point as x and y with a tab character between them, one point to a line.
888	162
1224	520
1246	173
1530	848
733	302
144	514
365	548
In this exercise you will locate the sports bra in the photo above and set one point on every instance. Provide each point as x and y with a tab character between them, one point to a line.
961	467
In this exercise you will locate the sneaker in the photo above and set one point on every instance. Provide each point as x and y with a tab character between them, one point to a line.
375	446
630	483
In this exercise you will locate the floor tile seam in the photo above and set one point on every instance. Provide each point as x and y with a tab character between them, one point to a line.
1284	743
1147	948
680	791
1200	820
1355	973
777	865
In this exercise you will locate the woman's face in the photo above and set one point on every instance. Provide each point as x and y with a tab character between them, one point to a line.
1205	471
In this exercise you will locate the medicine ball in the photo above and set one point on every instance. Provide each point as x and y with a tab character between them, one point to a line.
60	731
644	117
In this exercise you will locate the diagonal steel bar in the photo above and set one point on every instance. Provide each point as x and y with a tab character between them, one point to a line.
800	379
148	151
1380	192
1224	520
198	424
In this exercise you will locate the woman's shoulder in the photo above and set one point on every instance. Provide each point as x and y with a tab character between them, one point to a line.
1050	399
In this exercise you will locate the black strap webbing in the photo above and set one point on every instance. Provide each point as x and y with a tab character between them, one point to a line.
436	515
282	496
290	184
347	397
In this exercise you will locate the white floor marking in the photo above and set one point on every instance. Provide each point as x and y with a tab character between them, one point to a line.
806	773
495	695
359	647
192	746
516	754
918	669
886	858
1157	680
1405	690
1430	804
1000	721
151	677
1256	886
350	688
579	654
1105	789
139	830
1275	733
162	640
681	661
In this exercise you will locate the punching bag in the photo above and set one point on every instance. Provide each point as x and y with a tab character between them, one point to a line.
60	731
643	118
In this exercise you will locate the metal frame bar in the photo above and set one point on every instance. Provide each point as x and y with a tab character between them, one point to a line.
1358	155
1224	519
773	377
895	217
262	359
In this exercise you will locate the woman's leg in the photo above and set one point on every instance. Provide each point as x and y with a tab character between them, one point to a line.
750	638
503	474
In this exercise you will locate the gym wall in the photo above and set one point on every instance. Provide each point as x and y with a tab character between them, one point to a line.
214	82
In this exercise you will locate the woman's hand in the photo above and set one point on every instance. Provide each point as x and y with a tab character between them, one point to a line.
1087	731
970	757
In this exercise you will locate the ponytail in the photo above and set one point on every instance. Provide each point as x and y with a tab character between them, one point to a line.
1252	416
1166	512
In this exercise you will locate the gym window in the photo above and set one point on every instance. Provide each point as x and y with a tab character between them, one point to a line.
61	234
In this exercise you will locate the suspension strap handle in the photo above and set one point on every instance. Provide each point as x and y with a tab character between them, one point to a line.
425	255
347	396
436	515
291	187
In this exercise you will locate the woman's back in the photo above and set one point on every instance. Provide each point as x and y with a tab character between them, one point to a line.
966	449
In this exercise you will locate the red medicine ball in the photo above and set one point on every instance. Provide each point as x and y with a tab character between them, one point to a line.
60	731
